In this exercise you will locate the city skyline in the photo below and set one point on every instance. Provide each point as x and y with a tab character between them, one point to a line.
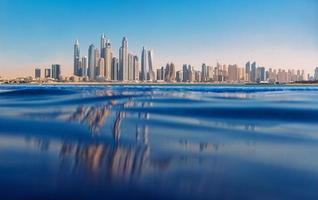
196	32
101	65
128	70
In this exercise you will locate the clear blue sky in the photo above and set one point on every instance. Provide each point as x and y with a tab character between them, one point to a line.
275	33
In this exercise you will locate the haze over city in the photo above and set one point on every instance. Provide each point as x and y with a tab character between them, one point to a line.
276	34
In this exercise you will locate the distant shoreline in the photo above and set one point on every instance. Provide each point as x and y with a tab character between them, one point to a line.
165	83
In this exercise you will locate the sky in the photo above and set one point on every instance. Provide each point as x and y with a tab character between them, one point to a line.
274	33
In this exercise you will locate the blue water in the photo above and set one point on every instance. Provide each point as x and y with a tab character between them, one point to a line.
159	142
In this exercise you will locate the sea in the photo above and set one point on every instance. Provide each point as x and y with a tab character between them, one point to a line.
162	142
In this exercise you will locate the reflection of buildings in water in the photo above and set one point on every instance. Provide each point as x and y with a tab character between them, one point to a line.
201	146
141	130
116	128
246	125
94	117
142	134
41	144
116	162
250	127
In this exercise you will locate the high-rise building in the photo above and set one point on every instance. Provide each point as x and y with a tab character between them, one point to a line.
185	73
190	73
233	73
160	74
56	71
108	55
77	59
197	76
248	67
248	71
150	75
91	62
102	45
136	68
123	60
282	76
316	74
100	68
144	65
219	73
115	69
84	67
179	76
47	73
204	73
261	74
131	67
242	75
253	72
272	77
37	73
96	60
210	73
147	73
170	73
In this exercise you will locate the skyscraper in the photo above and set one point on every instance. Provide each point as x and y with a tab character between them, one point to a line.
150	65
261	74
102	44
115	69
47	73
170	73
84	66
210	73
136	68
233	73
96	61
146	65
179	76
159	75
91	62
248	70
108	55
204	73
123	60
100	68
185	73
37	73
190	73
316	74
131	67
56	71
197	76
76	59
253	72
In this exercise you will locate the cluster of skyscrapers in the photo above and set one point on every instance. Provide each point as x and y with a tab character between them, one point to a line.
102	65
229	74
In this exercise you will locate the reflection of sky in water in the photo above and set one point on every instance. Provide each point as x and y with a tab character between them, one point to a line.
174	142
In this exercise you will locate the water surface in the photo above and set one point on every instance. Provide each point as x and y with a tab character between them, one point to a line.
158	142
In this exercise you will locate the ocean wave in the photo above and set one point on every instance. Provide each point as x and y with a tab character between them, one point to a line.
304	115
35	92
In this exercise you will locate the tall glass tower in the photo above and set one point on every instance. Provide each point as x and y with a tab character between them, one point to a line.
146	65
76	59
123	60
91	62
